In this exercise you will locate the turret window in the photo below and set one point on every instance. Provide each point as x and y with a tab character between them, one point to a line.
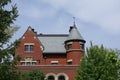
82	46
69	46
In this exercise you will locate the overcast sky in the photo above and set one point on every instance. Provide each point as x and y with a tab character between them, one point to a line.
97	20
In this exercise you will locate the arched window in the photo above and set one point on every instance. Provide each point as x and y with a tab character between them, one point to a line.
61	77
51	78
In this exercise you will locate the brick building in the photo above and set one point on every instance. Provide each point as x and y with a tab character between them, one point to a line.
56	55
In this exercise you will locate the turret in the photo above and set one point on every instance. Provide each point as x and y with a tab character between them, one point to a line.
74	46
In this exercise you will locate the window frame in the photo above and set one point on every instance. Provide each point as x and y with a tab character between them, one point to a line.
81	46
69	46
61	77
29	47
54	62
28	61
69	62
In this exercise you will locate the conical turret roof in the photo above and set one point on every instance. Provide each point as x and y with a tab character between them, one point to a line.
74	34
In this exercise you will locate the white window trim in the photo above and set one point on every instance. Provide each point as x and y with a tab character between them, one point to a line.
70	60
28	61
54	61
69	43
28	43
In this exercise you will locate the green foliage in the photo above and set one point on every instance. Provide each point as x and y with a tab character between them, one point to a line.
7	18
36	75
32	75
99	64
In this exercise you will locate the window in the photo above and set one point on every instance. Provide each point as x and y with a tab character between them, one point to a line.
51	78
54	62
61	78
33	63
82	46
69	62
23	63
28	61
28	64
29	48
69	46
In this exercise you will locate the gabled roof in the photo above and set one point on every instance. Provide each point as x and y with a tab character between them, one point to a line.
53	43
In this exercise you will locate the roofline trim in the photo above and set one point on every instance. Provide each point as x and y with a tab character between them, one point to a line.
54	52
75	40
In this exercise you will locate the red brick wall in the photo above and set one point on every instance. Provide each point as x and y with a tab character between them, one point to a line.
30	37
70	71
75	53
61	58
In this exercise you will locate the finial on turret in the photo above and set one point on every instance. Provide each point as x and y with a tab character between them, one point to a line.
74	21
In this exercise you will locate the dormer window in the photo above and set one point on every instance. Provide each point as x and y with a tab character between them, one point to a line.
28	47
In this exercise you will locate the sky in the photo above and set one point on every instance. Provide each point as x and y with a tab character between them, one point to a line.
97	20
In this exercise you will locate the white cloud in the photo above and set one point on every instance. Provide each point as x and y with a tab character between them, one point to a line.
103	13
35	11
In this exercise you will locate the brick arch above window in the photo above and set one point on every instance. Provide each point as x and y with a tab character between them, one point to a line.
51	74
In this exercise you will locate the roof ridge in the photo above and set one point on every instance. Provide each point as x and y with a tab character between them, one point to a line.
52	34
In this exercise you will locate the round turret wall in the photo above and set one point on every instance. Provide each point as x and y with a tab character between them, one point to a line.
75	51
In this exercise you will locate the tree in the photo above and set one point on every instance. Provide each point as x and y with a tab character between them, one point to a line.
32	75
99	64
36	75
7	29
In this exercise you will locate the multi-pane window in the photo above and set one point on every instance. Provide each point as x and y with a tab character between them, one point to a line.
29	48
28	63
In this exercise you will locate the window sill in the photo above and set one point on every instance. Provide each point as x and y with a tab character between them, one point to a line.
29	51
